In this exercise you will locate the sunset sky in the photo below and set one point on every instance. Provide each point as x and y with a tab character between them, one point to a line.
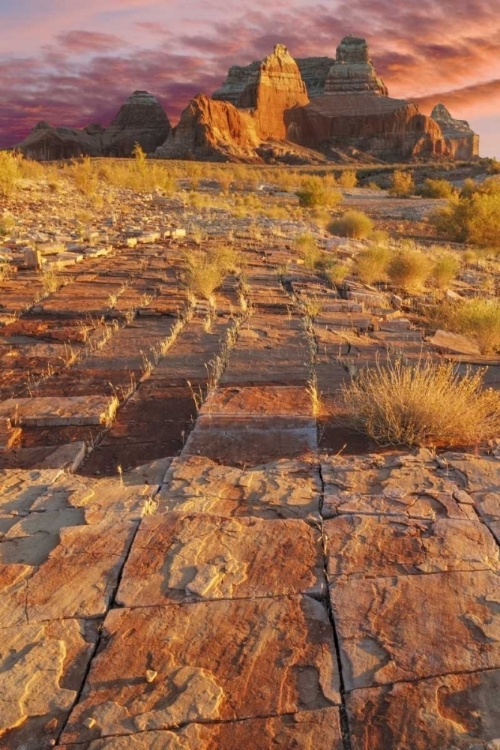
73	63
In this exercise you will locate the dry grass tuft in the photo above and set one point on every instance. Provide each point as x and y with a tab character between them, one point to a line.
478	318
422	403
371	264
353	224
409	269
203	274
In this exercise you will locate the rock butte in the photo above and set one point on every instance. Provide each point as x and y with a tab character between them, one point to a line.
281	110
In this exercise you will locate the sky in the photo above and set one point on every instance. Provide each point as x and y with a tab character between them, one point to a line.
75	62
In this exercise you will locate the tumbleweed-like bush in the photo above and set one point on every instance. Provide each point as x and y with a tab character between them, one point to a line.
421	403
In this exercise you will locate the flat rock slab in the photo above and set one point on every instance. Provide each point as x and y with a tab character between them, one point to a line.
280	489
205	662
251	442
56	412
31	539
307	730
456	711
413	627
42	668
396	502
267	401
178	557
378	546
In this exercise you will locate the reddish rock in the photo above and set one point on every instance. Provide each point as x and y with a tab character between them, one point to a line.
278	86
352	71
461	140
307	730
211	130
456	711
161	667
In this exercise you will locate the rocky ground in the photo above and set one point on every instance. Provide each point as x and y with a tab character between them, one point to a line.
193	552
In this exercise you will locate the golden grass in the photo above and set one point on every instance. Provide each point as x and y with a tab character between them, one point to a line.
371	264
422	403
478	318
353	224
409	269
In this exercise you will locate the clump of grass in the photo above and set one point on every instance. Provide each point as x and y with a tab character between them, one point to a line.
371	264
437	189
402	184
227	258
306	246
348	179
5	272
477	318
445	269
409	269
10	174
422	403
311	306
353	224
7	224
51	281
203	274
314	192
85	176
336	272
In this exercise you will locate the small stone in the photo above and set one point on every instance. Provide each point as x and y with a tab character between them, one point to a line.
151	675
89	722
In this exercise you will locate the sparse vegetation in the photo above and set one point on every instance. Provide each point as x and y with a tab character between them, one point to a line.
437	189
402	184
348	179
314	192
421	403
409	268
306	246
9	174
478	318
371	264
203	274
445	269
353	224
473	216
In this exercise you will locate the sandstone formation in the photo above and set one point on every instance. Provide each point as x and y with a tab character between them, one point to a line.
211	130
140	120
352	71
460	138
314	72
278	87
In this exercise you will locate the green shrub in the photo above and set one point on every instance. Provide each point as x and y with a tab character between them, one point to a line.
354	224
402	185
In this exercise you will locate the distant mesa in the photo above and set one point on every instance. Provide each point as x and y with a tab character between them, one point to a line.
140	120
279	110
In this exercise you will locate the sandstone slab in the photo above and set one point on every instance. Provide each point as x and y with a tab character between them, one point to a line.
264	401
47	411
42	668
378	546
208	661
455	711
413	627
307	730
180	556
280	489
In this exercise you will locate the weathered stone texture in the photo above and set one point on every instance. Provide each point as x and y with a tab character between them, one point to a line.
208	661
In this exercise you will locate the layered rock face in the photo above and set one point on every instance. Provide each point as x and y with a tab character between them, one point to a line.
461	140
314	72
352	71
277	88
212	130
141	120
238	78
357	112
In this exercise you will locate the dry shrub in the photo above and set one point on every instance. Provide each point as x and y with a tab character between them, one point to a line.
422	403
203	274
445	270
409	269
353	224
336	272
472	217
371	264
306	246
314	192
348	179
437	189
402	184
477	318
9	174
